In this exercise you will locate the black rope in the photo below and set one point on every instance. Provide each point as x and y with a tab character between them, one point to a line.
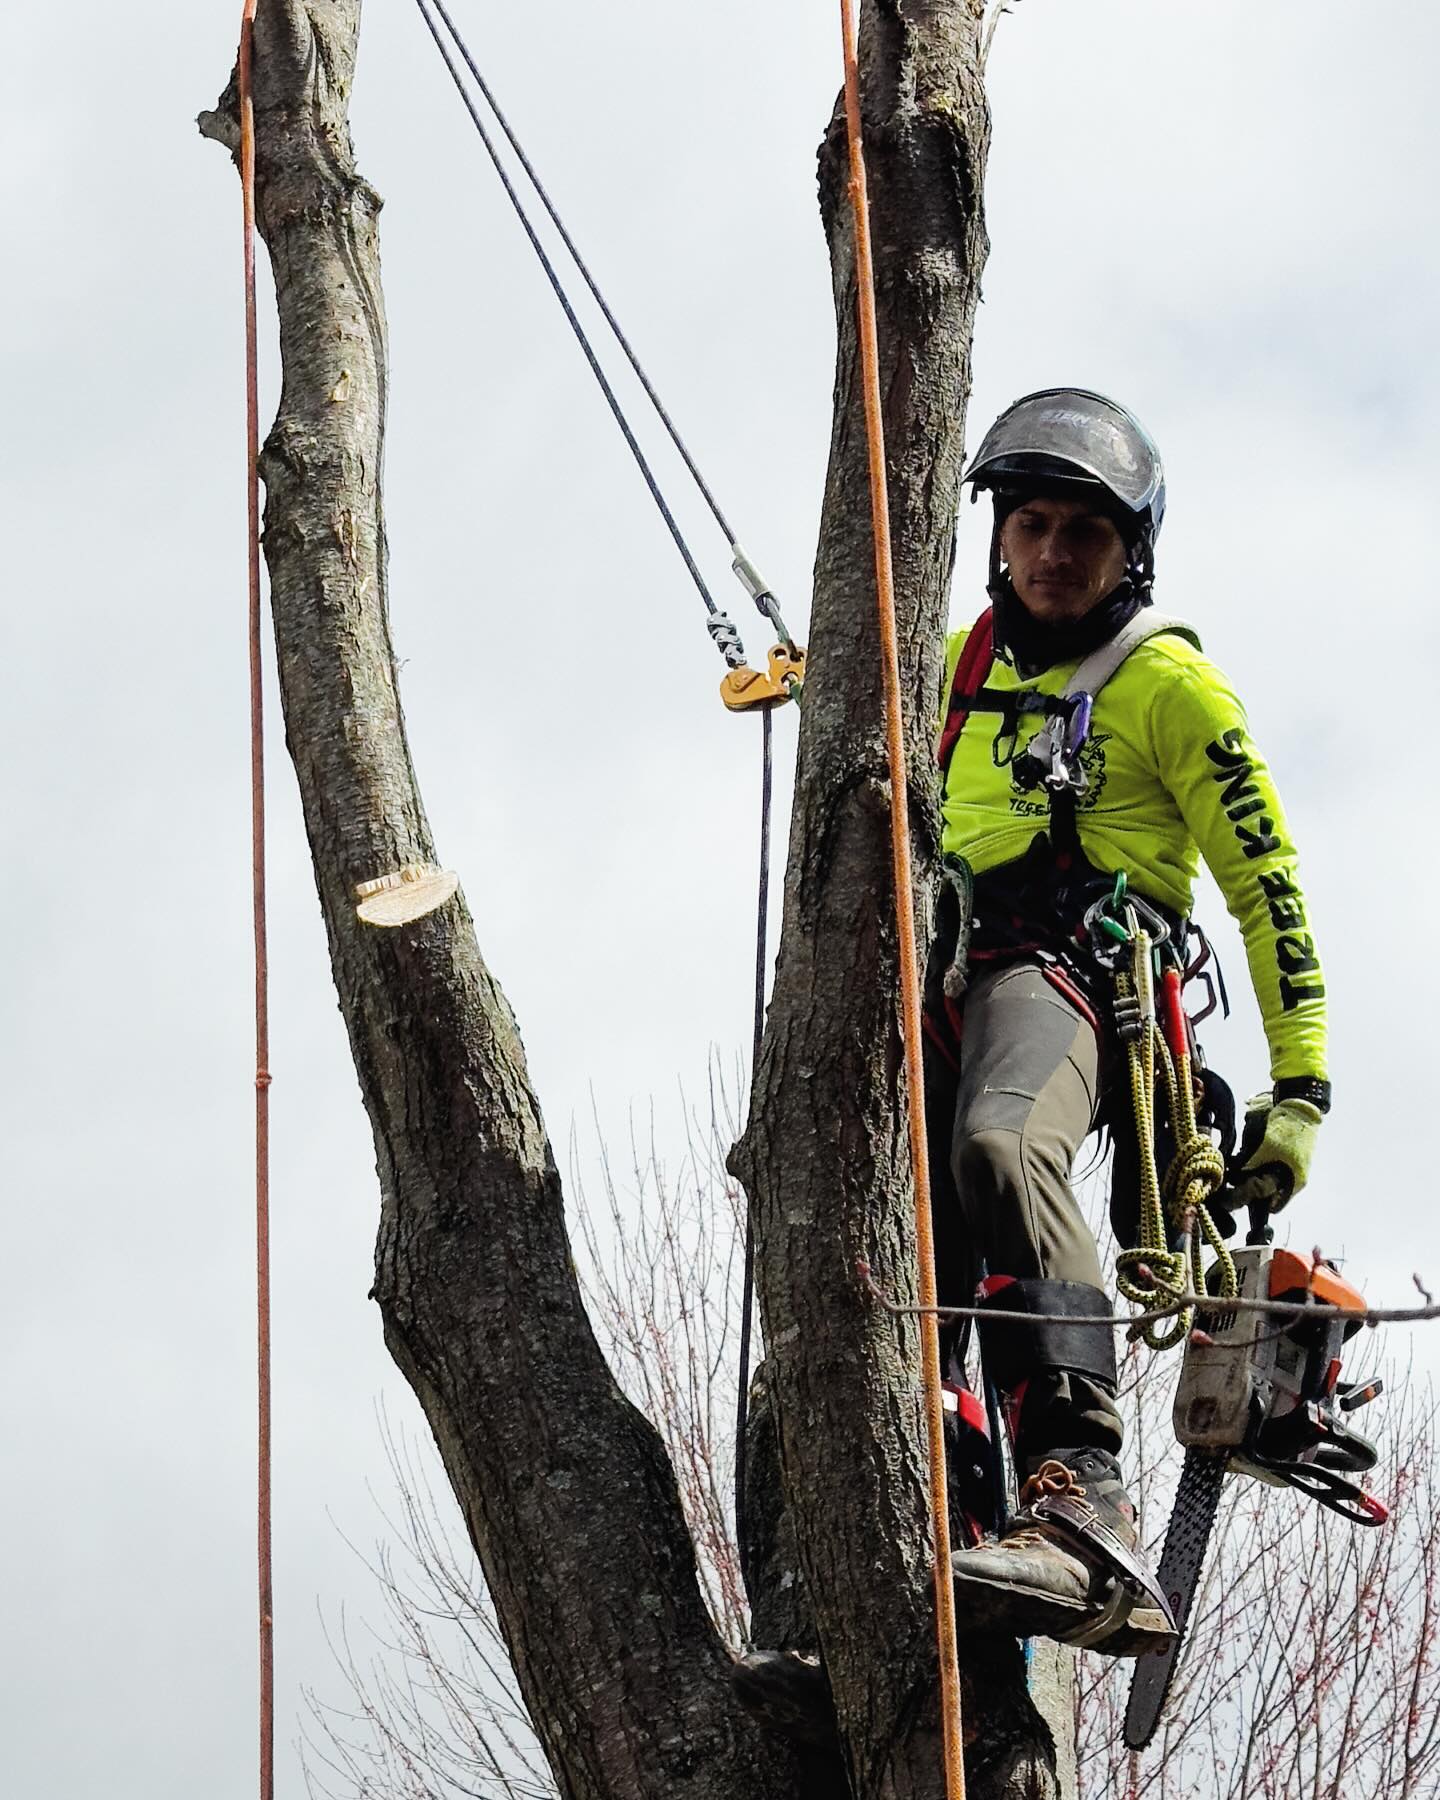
747	1304
615	407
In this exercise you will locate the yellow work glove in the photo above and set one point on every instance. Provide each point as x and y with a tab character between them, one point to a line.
1284	1134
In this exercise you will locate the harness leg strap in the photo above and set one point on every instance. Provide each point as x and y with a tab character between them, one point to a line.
1062	1340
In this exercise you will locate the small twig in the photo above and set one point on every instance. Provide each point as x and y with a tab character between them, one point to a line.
997	12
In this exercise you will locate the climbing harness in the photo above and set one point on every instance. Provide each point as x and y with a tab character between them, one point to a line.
951	1723
1127	938
1052	758
257	865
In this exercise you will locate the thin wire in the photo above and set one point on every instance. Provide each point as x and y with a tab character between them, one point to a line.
747	1303
579	330
262	973
1207	1304
945	1629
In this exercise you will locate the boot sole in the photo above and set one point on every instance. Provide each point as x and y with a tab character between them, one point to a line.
1024	1612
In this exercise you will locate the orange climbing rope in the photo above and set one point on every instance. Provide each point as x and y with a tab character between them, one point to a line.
905	920
257	866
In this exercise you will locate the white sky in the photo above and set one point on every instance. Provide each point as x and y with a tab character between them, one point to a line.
1223	214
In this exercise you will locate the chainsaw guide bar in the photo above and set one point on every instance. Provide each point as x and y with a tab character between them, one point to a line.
1197	1501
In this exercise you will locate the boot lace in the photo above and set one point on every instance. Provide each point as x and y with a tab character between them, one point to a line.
1051	1479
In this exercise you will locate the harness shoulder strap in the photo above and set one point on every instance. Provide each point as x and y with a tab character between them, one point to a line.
1104	662
977	658
1101	664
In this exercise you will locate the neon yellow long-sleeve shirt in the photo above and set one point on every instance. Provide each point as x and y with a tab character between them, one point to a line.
1173	776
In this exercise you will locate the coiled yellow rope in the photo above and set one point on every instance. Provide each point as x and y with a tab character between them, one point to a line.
1153	1274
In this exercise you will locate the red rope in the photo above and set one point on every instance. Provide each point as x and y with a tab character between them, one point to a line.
952	1729
257	866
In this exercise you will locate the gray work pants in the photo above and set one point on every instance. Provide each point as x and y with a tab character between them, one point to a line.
1027	1098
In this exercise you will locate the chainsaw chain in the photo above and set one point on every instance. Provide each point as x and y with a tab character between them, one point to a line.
1197	1501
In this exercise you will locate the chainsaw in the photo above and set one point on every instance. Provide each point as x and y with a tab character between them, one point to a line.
1259	1395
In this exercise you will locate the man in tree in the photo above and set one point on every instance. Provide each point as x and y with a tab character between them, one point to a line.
1039	816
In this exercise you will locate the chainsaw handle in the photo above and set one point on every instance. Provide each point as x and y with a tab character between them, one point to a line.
1261	1231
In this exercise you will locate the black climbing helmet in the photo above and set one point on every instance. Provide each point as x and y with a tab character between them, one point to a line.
1069	440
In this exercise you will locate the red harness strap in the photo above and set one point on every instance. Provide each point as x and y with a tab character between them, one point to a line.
977	657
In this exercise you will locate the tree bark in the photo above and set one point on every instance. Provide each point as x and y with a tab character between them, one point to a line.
565	1489
825	1160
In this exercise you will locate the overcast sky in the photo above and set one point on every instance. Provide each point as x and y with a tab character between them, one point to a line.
1223	214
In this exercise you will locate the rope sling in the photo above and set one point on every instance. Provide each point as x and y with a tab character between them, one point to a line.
1175	1206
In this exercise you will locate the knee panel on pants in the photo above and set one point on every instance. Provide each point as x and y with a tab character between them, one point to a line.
988	1163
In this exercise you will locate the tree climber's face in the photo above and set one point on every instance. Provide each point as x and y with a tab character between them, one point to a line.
1063	557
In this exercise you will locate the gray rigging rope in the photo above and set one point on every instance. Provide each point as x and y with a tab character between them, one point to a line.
726	637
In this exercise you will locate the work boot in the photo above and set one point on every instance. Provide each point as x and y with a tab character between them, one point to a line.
1069	1567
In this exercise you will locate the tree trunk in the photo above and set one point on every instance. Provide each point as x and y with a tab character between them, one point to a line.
565	1489
825	1159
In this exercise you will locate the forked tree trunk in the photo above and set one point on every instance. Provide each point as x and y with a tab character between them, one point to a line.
564	1487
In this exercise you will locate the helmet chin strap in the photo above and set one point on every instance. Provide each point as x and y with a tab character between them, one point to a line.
1002	594
1140	571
